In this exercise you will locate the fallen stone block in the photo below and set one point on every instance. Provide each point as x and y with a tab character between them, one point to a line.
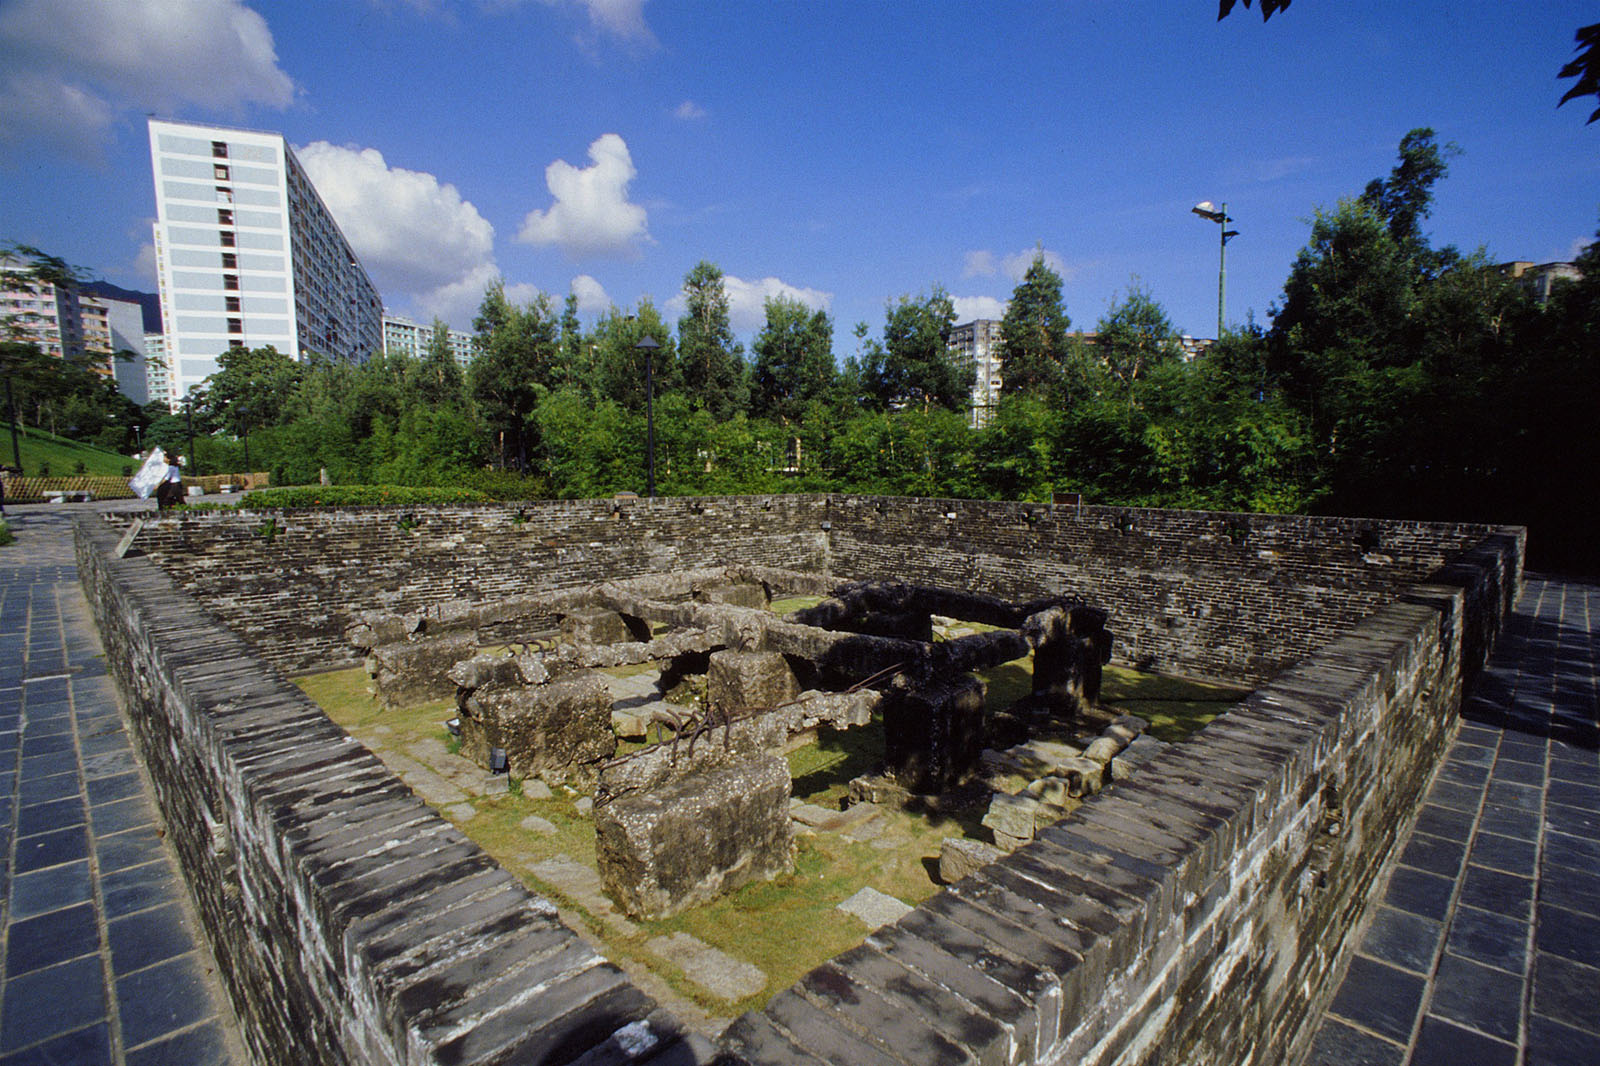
413	672
741	680
1103	749
933	736
560	730
596	625
1084	777
692	839
737	594
959	857
1012	815
1127	728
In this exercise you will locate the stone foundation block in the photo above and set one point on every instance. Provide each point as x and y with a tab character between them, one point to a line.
596	625
556	730
933	737
959	857
413	672
695	837
735	594
737	680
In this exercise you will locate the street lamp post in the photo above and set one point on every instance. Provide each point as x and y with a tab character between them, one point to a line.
649	346
188	418
1209	211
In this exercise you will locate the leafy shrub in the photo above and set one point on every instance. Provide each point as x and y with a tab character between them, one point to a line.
6	536
360	496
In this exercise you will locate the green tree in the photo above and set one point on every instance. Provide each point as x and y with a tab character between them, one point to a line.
515	366
1033	333
794	365
914	366
712	362
1405	198
620	366
1133	338
439	366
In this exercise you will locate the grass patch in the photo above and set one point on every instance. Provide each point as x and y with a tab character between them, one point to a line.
1174	706
43	451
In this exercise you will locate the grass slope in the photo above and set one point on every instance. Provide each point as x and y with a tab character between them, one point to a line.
62	456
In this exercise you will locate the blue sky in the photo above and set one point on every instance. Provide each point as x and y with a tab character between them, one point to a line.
844	153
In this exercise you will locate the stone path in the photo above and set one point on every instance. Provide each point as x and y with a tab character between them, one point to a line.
102	960
1485	949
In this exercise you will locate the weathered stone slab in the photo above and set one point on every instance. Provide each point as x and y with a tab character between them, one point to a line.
719	746
717	972
414	672
739	594
874	907
743	680
559	730
959	857
596	625
1012	815
689	840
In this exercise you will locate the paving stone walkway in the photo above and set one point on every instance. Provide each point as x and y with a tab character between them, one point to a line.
1485	949
101	961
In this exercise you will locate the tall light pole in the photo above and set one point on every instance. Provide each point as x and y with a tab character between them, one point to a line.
649	346
1209	211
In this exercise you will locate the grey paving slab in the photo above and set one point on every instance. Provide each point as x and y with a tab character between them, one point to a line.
1504	863
101	960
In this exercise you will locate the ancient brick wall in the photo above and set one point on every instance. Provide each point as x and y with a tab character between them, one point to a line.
1228	596
288	581
1198	914
351	923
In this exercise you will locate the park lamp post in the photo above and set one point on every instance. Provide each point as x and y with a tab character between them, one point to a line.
1209	211
649	346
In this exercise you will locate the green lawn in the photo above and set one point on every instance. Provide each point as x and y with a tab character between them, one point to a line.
42	450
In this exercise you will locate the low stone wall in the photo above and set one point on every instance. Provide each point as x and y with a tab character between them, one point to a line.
1198	913
350	922
289	581
1234	597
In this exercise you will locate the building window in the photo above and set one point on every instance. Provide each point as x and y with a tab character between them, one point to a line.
233	303
230	261
219	150
230	282
227	238
224	196
220	171
235	325
224	216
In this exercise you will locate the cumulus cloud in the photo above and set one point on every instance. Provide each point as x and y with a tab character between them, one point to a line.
592	298
689	111
747	300
980	264
414	235
985	264
591	215
620	18
70	69
969	308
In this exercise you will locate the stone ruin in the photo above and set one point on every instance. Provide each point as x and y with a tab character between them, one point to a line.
682	820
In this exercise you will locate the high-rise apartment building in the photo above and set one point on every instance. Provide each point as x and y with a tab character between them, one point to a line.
403	336
979	341
248	255
47	315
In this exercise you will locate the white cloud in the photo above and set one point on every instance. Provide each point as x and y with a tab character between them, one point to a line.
747	300
592	298
980	264
621	18
72	68
415	236
969	308
1016	266
591	215
689	111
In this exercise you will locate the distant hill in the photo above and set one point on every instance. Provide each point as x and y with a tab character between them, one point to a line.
149	303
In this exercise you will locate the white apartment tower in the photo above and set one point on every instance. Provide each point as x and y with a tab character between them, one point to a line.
248	255
979	341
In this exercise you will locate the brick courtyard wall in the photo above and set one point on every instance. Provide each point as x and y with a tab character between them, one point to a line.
288	581
351	923
1200	913
1227	596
